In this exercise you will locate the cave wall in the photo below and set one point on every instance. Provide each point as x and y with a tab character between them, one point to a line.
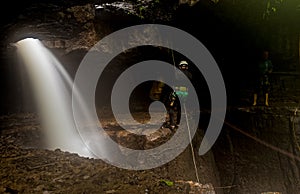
258	151
233	38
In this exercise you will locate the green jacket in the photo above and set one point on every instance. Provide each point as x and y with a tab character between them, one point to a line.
265	67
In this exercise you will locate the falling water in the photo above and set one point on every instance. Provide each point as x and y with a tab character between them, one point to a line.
52	86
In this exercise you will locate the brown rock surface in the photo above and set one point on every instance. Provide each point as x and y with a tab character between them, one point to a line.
26	168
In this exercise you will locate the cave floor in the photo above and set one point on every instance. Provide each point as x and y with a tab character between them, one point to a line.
25	168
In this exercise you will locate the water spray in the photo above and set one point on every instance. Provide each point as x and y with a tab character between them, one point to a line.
53	97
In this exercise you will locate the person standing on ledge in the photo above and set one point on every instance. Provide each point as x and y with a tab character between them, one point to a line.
262	82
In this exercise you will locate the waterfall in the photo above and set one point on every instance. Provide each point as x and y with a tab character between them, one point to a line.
52	88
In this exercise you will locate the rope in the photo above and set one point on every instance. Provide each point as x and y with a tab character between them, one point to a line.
173	58
234	162
294	130
288	154
191	144
188	127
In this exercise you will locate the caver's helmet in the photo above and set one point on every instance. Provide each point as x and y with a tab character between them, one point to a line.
183	65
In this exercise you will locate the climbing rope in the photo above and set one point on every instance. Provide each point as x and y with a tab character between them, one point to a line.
173	58
288	154
191	144
234	162
294	129
188	127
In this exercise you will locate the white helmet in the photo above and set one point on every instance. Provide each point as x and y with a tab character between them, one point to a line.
183	64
